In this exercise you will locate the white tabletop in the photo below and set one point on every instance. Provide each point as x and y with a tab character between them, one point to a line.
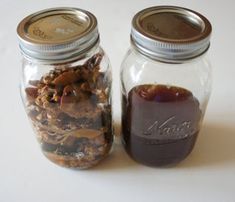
207	175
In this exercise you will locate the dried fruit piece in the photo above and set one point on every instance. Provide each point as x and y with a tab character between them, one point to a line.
34	82
66	78
94	61
78	103
79	109
87	133
31	93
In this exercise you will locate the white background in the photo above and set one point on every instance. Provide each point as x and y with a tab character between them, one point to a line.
208	175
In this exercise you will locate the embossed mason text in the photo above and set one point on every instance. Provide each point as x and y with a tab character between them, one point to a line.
169	128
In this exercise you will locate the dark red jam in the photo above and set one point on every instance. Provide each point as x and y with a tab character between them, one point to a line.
159	124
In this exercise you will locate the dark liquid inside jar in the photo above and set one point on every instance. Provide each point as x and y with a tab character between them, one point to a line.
159	124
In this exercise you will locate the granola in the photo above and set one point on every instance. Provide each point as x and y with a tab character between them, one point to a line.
70	111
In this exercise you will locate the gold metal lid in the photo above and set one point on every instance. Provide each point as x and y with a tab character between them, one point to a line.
57	34
170	33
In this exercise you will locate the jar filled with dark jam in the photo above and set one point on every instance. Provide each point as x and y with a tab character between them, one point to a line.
165	84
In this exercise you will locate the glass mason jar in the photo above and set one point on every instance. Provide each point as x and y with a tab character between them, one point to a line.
165	83
66	86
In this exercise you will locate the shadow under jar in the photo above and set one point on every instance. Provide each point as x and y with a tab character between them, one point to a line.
66	86
166	84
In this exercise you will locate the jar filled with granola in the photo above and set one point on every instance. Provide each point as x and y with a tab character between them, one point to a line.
66	86
166	83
